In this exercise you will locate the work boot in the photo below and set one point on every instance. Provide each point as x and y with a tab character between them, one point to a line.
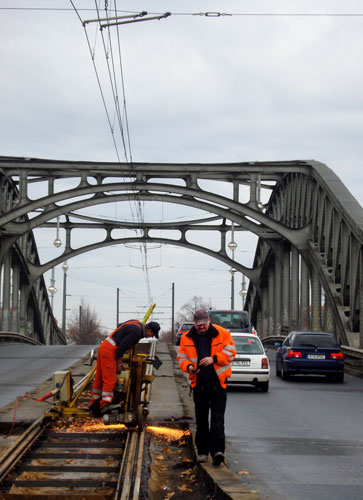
109	407
202	459
218	458
94	408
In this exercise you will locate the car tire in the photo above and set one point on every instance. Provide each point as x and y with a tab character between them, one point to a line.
263	386
340	377
278	372
284	373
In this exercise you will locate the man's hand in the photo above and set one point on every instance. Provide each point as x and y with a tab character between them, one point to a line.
191	369
206	361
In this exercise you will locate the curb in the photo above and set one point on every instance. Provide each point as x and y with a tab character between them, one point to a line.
226	484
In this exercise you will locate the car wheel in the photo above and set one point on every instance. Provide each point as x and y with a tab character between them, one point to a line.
263	386
339	377
284	373
278	372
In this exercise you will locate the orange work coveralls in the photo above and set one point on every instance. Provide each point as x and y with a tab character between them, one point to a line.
105	379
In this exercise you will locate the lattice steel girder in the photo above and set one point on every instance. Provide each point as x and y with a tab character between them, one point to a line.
309	209
46	169
197	198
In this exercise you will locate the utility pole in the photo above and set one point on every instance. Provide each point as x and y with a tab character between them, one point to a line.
80	319
172	312
117	306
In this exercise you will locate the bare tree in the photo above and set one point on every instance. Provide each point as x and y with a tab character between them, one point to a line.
84	327
187	310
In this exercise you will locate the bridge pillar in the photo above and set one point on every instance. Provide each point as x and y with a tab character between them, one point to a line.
23	310
5	320
271	302
286	288
328	324
265	312
294	290
304	296
15	298
278	292
315	302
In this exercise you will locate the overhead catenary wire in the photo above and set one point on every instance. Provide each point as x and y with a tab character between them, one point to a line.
202	14
98	82
114	84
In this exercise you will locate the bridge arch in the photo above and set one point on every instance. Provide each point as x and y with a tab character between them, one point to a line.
308	260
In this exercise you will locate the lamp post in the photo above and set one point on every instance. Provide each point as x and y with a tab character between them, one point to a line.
52	289
243	292
232	245
117	306
65	268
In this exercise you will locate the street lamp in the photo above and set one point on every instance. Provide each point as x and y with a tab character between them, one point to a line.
243	294
52	289
57	242
65	268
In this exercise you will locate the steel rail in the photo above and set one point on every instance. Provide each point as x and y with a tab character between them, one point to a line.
129	469
11	457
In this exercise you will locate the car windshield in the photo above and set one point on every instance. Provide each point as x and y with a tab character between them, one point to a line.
186	326
230	319
248	345
314	340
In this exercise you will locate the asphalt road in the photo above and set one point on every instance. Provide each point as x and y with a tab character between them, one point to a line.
303	440
24	366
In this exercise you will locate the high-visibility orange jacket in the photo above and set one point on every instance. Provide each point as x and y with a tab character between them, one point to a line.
223	351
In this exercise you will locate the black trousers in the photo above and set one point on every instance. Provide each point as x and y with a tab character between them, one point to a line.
211	399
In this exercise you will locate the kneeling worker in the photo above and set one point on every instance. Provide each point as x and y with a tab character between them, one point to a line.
112	349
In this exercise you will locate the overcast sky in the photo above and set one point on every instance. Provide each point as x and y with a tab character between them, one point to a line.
277	80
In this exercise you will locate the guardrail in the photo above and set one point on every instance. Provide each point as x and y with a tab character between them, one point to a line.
17	337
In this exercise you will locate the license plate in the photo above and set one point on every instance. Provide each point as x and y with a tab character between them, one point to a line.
316	356
241	363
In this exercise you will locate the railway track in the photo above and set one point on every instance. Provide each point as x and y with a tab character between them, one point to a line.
51	461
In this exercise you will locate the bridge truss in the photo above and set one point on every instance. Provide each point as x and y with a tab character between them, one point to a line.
307	270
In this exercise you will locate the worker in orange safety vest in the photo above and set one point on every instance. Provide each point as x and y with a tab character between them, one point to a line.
111	350
206	352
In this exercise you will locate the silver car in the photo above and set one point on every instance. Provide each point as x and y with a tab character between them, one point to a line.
250	366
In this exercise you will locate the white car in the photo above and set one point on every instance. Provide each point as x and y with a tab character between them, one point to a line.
250	366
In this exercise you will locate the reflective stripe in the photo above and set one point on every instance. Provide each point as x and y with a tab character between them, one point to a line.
182	355
96	391
223	369
111	341
107	393
229	347
94	396
193	360
229	353
107	398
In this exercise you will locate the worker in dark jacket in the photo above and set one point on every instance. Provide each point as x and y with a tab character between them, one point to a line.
110	351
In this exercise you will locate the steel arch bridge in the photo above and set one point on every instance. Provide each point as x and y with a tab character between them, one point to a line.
307	270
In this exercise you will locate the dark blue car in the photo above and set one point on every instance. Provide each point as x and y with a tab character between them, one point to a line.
305	353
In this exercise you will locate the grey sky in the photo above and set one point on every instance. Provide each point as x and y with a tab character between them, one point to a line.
198	89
